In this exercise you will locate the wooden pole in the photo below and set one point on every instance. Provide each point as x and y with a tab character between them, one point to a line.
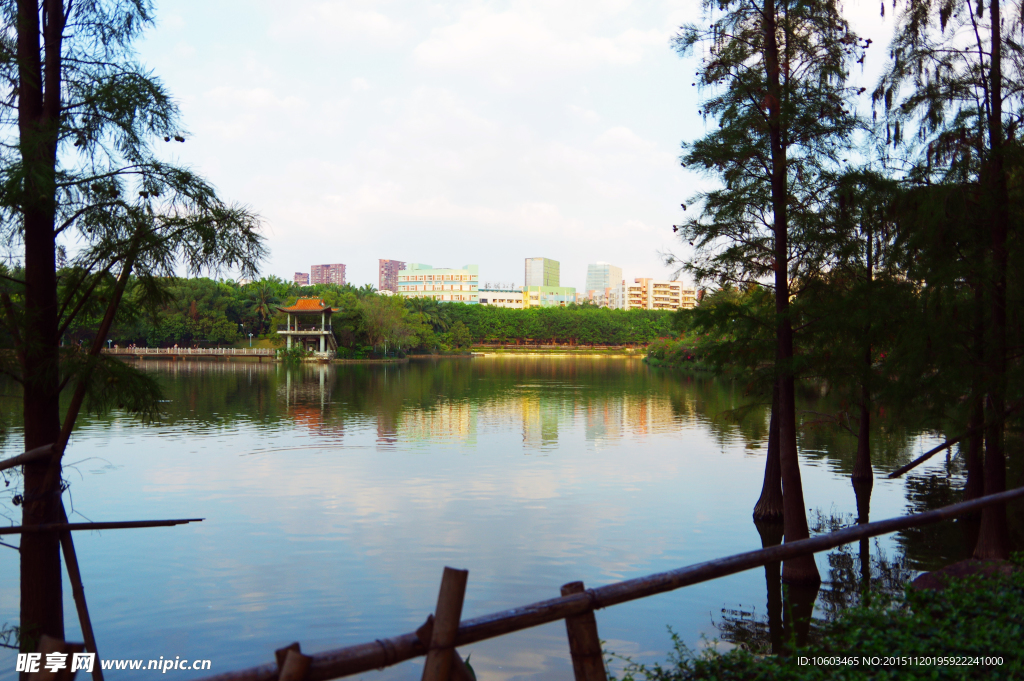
460	672
584	645
44	452
48	645
73	527
446	624
78	590
927	455
295	667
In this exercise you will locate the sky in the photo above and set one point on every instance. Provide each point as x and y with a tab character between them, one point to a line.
453	133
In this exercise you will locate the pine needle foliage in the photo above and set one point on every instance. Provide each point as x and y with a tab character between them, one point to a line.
733	230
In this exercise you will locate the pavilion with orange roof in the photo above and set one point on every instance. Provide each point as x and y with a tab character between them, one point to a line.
302	329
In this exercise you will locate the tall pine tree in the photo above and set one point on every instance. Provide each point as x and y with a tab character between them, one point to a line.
774	78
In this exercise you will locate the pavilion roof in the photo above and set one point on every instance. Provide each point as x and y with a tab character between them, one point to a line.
310	305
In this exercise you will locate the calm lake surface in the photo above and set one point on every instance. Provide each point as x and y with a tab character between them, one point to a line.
335	495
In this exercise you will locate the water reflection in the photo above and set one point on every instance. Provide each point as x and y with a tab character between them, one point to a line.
335	495
424	401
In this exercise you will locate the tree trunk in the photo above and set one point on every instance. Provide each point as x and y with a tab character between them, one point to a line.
771	535
993	537
38	121
769	507
802	570
862	472
975	486
862	492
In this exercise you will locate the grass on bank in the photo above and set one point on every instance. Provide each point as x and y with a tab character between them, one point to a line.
577	350
974	617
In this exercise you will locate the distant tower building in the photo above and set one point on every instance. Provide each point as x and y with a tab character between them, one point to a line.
541	272
328	274
389	274
601	275
301	278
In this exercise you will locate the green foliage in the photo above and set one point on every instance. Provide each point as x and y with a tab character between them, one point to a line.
977	616
208	313
294	355
460	335
82	176
574	324
733	230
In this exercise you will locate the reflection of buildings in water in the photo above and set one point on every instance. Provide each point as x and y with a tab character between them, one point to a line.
313	418
635	414
445	420
646	414
603	420
608	418
303	387
387	430
196	366
307	396
540	420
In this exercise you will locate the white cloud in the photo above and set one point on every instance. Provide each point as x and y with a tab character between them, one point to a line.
331	24
513	49
465	132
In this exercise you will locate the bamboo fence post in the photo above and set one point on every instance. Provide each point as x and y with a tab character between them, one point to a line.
460	672
293	665
48	645
446	624
78	591
584	645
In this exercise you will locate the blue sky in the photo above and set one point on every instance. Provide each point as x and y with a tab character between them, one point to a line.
449	133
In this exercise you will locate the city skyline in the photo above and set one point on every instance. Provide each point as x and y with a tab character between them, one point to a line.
584	275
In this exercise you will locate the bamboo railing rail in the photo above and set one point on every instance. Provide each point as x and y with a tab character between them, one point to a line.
114	525
251	352
386	652
37	454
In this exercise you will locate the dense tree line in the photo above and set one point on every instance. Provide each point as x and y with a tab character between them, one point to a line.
875	254
205	312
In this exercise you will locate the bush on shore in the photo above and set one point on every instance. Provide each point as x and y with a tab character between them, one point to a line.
981	616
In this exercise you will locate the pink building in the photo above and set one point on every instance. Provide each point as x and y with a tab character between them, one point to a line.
389	274
301	278
327	274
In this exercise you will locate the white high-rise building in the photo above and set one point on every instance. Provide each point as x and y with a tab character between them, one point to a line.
602	275
602	278
541	272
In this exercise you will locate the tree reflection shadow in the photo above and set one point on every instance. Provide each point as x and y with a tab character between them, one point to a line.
795	615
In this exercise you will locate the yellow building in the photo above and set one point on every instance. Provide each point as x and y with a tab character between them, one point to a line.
651	294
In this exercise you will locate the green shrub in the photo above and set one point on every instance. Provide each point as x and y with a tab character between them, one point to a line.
975	617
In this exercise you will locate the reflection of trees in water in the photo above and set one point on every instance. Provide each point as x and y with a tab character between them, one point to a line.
933	546
786	616
795	615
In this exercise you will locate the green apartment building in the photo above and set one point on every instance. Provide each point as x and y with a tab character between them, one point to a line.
542	272
443	285
548	296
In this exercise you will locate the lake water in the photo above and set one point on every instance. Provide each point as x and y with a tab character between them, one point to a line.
333	497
